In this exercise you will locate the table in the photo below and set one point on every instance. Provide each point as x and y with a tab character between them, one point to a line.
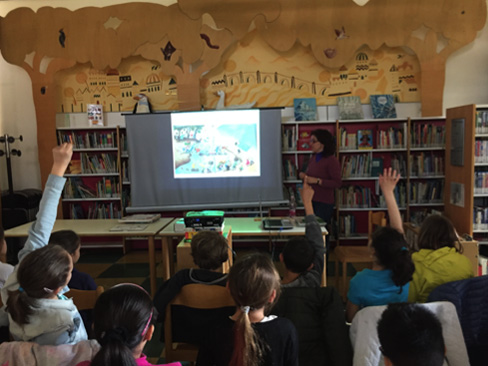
101	228
241	227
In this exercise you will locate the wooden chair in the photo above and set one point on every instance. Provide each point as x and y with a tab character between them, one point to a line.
195	296
356	254
84	299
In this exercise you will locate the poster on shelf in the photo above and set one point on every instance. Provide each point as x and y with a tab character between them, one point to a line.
95	115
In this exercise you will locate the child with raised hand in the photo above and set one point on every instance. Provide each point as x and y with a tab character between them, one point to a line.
388	281
438	260
303	257
250	337
36	307
122	322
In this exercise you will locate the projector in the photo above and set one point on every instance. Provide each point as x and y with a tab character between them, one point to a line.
204	219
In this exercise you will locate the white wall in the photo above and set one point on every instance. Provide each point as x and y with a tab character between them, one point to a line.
466	83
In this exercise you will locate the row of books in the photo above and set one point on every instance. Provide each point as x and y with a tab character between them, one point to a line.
125	172
96	211
480	218
98	163
427	192
481	123
390	138
88	140
427	135
481	151
104	188
480	182
425	164
288	139
393	137
347	225
354	197
400	193
289	170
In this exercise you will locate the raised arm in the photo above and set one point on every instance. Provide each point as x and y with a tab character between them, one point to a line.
41	229
388	181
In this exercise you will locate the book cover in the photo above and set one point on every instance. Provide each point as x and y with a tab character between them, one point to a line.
95	114
365	139
376	167
383	106
305	109
350	107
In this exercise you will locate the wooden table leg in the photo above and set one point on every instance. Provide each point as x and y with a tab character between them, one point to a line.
152	264
166	258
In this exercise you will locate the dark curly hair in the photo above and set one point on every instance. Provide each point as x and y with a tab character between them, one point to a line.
326	139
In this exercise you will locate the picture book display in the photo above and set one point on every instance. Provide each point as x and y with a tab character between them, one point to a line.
95	114
365	139
383	106
350	107
305	109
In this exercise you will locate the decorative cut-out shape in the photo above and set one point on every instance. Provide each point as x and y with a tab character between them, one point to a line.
208	42
420	32
62	37
442	42
168	51
361	2
341	33
330	52
113	23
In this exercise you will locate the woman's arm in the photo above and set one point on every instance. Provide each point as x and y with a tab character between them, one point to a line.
388	181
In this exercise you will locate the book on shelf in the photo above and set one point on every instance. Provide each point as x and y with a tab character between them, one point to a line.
365	139
356	166
392	137
289	169
95	114
377	166
348	141
140	218
481	124
74	167
354	197
350	107
427	135
305	109
383	106
289	139
347	226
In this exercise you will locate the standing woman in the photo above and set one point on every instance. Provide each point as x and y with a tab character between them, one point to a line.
323	174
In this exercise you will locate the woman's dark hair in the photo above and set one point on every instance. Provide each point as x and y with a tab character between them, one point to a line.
436	232
40	272
252	280
67	239
391	252
326	139
209	249
121	318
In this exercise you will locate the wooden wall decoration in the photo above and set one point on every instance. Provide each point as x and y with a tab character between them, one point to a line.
189	38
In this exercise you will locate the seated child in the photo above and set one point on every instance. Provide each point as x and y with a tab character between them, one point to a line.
439	260
5	268
388	280
303	257
36	307
71	242
410	334
122	322
249	337
209	250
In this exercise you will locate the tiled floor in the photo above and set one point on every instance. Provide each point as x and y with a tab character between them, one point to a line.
111	267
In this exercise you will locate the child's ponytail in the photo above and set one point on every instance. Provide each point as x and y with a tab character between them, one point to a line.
121	318
39	274
252	281
391	250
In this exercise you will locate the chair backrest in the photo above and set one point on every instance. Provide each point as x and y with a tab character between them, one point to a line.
470	297
84	299
375	219
195	296
366	345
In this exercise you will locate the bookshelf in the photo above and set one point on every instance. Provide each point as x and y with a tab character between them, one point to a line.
95	186
412	145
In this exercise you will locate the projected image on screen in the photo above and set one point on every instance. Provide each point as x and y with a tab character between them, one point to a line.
216	144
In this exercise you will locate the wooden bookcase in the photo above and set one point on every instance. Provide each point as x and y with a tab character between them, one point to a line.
414	146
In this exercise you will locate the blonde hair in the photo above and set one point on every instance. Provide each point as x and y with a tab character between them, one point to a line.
252	281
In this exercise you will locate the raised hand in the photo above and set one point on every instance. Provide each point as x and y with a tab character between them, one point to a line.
388	180
306	192
61	158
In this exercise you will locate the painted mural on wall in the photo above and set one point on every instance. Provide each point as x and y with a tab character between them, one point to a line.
251	72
